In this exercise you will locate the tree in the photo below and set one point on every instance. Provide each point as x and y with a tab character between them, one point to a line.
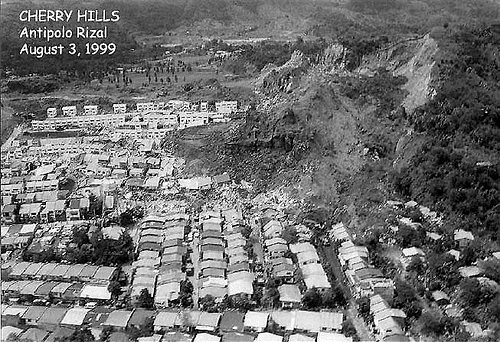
186	287
105	333
363	307
80	235
431	324
494	308
470	292
312	299
80	335
416	265
208	303
240	302
145	299
406	299
290	235
348	328
333	298
271	297
115	289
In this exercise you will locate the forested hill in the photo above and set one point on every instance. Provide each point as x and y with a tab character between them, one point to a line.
458	170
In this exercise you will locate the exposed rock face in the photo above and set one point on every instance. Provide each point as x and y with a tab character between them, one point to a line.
285	78
412	58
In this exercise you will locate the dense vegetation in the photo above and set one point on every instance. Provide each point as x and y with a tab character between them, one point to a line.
458	170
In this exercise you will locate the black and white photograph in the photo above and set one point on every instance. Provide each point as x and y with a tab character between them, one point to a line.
250	170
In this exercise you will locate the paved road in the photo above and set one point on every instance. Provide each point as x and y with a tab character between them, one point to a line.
363	333
196	265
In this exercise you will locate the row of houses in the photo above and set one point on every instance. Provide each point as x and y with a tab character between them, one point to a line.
252	321
184	115
366	280
224	264
45	210
46	149
203	183
46	324
57	271
121	108
162	258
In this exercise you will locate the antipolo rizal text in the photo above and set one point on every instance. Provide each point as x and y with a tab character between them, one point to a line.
80	32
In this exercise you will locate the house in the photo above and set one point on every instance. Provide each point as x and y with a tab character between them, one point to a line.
232	321
11	315
237	337
440	297
95	292
9	331
44	290
470	271
204	337
33	334
139	317
283	270
268	337
167	320
290	296
152	183
75	317
221	179
29	212
59	290
240	283
77	209
330	337
51	318
118	319
339	232
255	321
304	338
59	333
463	237
272	229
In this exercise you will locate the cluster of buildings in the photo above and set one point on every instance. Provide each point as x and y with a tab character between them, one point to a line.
368	281
50	186
57	282
34	196
46	324
280	266
162	259
148	120
223	263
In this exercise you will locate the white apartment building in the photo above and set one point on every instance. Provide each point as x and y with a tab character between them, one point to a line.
150	106
78	121
90	110
119	108
226	106
179	105
51	112
189	119
69	111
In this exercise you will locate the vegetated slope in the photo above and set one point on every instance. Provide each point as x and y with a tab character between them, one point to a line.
458	169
